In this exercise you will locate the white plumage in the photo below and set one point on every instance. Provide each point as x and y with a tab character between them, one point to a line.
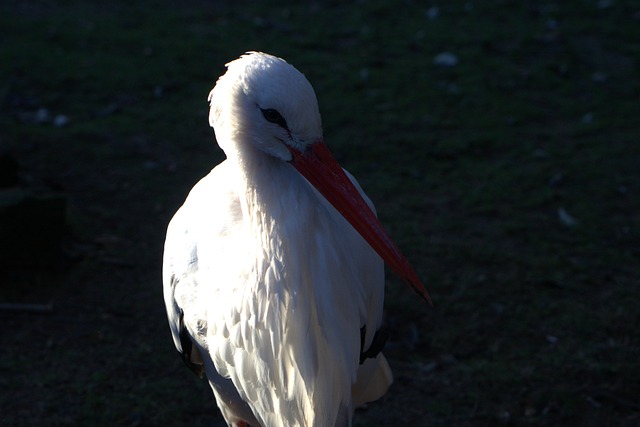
269	289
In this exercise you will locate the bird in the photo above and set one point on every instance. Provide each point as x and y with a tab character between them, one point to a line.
273	267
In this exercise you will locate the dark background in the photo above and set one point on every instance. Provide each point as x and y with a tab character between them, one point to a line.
507	170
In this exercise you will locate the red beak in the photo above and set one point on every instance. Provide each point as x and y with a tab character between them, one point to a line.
322	170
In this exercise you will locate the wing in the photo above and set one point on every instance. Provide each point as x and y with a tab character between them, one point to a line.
374	374
207	214
203	229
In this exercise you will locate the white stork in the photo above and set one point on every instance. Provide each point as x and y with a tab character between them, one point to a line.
273	267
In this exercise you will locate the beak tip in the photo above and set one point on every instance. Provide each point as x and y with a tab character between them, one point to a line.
428	298
424	294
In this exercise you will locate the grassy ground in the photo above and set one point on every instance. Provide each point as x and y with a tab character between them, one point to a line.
511	179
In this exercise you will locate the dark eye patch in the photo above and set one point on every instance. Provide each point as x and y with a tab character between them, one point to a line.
273	116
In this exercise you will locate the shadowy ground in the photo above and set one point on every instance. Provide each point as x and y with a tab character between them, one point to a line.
499	140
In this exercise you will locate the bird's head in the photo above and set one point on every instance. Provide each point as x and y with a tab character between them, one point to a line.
264	102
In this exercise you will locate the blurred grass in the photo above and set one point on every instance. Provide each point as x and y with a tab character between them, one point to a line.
535	322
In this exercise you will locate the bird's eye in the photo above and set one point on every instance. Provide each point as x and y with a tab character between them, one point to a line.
273	116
